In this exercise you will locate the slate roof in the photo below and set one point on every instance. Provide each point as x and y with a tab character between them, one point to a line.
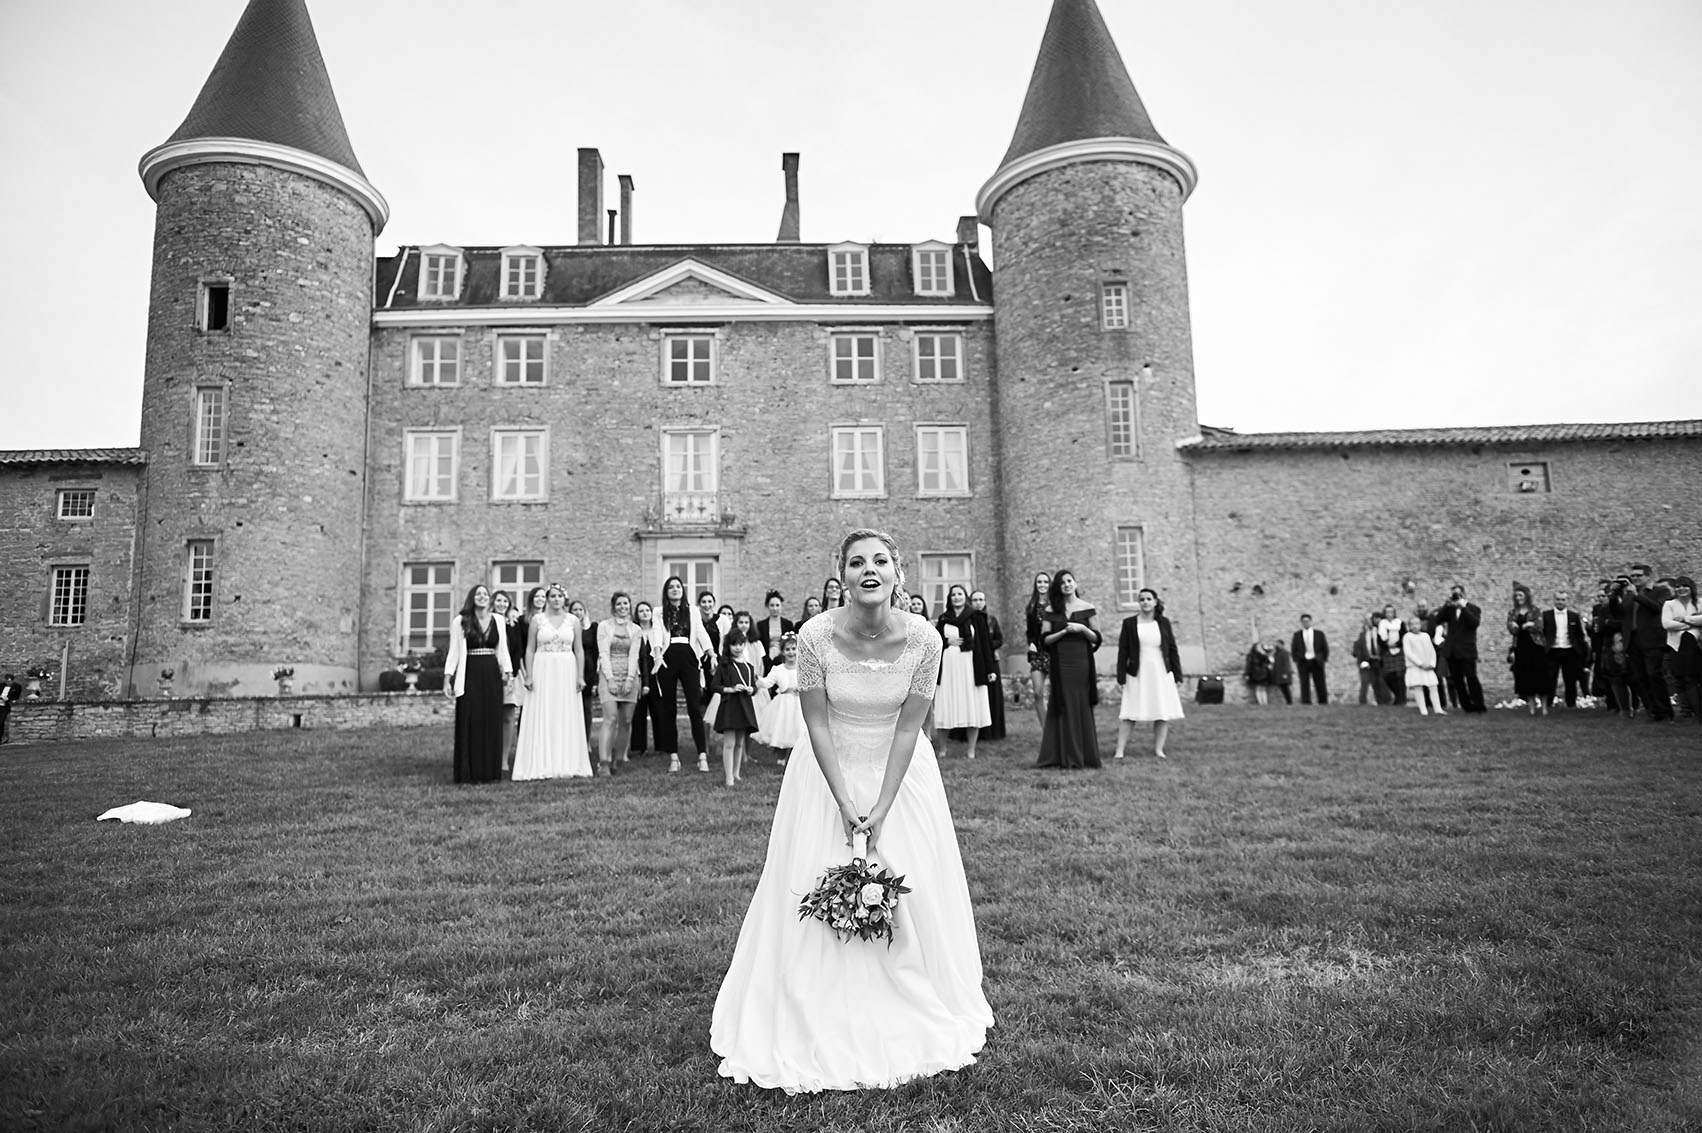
270	85
1223	440
1080	88
577	275
73	456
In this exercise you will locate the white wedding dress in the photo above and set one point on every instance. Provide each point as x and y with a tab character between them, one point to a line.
801	1010
552	725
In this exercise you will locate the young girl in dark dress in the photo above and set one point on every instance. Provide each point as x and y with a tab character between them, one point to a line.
736	718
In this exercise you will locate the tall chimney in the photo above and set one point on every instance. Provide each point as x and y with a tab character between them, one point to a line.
969	231
626	208
612	214
590	196
789	217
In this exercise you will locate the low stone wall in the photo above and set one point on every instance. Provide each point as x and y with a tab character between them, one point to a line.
34	721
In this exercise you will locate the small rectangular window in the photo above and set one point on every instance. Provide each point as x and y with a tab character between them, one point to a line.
701	574
933	271
848	271
428	594
689	359
942	460
198	581
521	275
76	503
70	597
519	465
215	306
517	579
520	359
1131	565
432	458
1114	306
856	358
209	442
1122	434
859	461
440	275
939	573
436	360
1527	477
939	357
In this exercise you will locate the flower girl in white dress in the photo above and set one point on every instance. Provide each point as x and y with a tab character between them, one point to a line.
800	1009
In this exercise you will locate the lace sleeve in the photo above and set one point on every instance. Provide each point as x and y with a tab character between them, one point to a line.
925	640
810	674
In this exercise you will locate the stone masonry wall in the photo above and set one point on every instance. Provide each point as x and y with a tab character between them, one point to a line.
1059	237
34	540
1337	533
35	721
605	406
284	508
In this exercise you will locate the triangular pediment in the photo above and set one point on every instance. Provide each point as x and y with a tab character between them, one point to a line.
690	282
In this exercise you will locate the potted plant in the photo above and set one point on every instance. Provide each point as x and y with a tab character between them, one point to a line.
166	677
34	677
411	673
285	676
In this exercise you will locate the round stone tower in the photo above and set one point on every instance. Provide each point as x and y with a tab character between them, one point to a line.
254	398
1095	381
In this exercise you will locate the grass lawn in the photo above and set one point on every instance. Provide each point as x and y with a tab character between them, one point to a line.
1336	919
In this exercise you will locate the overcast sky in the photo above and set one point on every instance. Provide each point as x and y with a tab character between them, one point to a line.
1462	212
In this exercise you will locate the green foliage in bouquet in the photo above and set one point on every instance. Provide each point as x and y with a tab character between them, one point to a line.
855	900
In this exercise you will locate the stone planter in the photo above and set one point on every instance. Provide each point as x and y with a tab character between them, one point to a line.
411	679
32	688
286	685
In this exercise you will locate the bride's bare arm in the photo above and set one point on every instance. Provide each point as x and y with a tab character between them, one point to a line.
813	701
910	718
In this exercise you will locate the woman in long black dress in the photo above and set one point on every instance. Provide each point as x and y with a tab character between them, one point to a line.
994	637
1069	632
473	676
1530	657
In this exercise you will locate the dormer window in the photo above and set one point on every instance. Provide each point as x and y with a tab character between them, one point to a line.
522	273
930	268
848	269
440	273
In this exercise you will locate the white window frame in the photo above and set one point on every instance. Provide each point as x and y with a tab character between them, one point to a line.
204	304
938	337
210	434
523	362
936	581
435	495
500	438
68	595
855	360
859	449
440	281
81	515
1128	544
1114	305
516	578
1123	419
938	435
691	474
417	360
709	362
691	568
433	588
513	262
199	577
854	279
943	283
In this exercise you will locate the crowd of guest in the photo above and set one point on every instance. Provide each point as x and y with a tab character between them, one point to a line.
1634	651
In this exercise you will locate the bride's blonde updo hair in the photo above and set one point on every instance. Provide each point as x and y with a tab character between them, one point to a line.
899	597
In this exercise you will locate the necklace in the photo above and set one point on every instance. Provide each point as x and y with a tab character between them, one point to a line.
871	636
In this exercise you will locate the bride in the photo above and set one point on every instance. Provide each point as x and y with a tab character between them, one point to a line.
800	1010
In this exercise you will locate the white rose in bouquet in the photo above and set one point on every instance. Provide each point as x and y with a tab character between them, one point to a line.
873	893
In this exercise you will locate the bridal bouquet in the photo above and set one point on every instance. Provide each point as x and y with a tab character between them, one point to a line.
855	899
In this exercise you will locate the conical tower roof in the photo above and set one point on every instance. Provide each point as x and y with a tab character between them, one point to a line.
269	89
1081	99
1080	88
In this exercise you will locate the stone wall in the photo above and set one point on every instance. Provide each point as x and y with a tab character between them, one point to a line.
1338	532
35	721
34	540
605	406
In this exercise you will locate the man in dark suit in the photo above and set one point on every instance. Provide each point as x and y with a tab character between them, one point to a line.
1563	636
1462	618
1646	640
10	691
1366	651
1310	650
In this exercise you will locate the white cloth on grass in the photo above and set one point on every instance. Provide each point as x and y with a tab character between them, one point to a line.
146	812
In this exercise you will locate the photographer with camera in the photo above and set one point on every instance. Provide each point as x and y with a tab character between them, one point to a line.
1459	645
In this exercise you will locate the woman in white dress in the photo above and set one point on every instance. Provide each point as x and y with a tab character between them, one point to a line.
800	1010
552	729
962	700
1149	668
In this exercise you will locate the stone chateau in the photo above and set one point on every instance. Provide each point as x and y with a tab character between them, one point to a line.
334	446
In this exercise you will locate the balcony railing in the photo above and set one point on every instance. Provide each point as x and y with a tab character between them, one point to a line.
691	507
